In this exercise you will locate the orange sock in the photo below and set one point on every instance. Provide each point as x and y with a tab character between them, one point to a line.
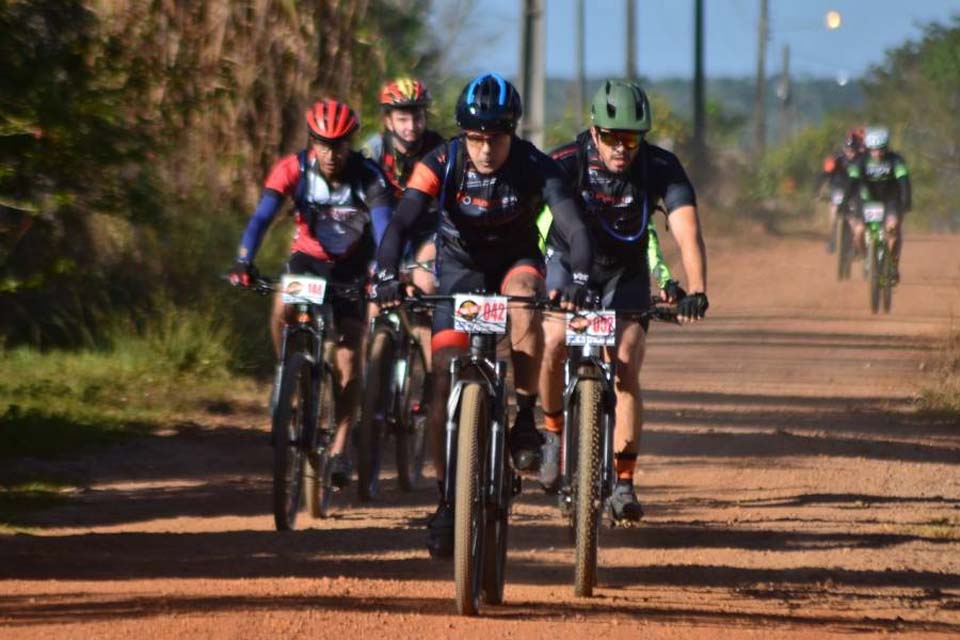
625	463
553	422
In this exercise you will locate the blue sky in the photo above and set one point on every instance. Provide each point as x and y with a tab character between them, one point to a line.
490	36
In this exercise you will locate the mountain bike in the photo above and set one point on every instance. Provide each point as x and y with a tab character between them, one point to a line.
879	260
393	391
303	422
587	472
479	480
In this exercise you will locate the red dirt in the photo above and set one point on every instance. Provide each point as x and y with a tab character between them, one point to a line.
791	491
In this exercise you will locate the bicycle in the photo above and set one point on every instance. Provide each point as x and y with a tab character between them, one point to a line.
393	392
587	472
303	423
479	479
878	264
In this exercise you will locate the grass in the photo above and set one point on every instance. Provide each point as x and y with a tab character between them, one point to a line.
943	396
58	402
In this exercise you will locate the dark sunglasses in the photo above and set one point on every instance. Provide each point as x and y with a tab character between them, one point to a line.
629	139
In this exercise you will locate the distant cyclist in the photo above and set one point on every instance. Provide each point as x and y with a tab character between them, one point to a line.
404	141
836	176
620	178
880	175
335	192
490	184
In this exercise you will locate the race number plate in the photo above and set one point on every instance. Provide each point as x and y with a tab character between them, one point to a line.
873	211
303	289
836	197
480	314
592	328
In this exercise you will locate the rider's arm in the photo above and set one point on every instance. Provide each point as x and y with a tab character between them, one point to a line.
658	266
567	214
378	195
280	183
423	186
680	201
903	182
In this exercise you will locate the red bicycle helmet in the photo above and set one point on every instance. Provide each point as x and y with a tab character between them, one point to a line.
854	138
331	119
404	92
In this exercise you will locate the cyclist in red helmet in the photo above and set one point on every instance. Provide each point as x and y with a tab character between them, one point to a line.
336	192
405	140
834	176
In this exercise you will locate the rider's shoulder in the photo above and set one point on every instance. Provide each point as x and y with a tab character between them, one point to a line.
373	146
663	157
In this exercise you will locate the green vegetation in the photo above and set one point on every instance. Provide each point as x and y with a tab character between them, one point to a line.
943	396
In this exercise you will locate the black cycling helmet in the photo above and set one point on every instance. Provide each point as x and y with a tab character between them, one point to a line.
489	103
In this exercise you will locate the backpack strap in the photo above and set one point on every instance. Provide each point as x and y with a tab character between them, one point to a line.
452	170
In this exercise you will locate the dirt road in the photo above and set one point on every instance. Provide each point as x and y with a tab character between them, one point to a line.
791	491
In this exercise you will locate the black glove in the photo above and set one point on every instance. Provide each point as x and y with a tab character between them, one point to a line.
577	293
693	306
387	289
242	274
674	291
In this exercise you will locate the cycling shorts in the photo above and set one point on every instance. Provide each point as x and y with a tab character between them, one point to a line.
351	272
624	288
458	275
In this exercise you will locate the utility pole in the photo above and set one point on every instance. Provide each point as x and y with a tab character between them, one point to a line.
631	39
699	106
759	112
581	91
784	94
532	72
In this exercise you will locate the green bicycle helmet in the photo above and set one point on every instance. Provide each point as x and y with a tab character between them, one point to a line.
621	105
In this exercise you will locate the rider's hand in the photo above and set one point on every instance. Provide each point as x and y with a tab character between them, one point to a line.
242	274
388	291
672	292
692	307
576	296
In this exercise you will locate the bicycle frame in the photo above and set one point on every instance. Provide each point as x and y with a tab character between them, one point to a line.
312	322
396	322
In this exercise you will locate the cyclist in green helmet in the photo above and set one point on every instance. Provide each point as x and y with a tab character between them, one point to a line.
620	179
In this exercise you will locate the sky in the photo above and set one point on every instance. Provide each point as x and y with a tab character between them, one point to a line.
489	39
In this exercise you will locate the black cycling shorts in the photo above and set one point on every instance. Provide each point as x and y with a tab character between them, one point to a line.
457	275
623	288
351	273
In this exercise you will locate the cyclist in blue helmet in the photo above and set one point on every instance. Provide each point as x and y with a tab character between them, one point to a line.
490	185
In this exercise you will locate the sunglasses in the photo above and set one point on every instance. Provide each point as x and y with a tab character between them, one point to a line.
629	139
481	138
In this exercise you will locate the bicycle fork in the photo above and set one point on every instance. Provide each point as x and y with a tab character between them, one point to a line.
494	460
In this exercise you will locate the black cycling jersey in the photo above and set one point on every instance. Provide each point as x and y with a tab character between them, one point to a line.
618	206
398	166
487	215
836	171
886	180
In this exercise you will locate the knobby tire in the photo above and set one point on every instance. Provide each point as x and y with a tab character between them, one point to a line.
468	506
587	498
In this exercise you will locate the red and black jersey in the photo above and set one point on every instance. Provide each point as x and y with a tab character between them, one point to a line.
398	166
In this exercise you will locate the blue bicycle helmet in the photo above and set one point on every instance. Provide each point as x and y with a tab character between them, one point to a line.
489	103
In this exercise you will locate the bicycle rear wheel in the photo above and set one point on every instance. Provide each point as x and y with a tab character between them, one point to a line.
316	476
468	538
587	503
373	413
289	420
411	429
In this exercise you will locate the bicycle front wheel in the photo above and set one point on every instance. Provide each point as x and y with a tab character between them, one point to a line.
411	431
886	293
587	498
290	417
372	415
844	249
316	476
468	538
